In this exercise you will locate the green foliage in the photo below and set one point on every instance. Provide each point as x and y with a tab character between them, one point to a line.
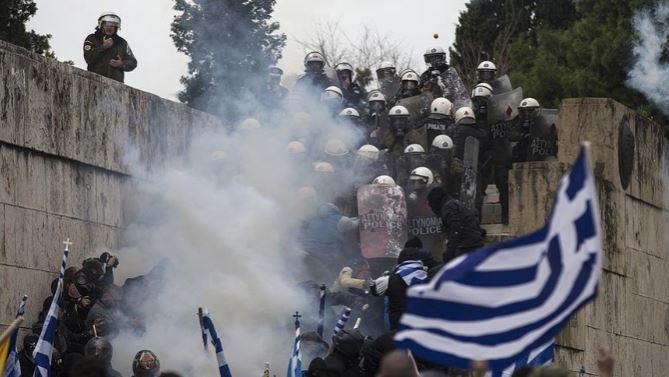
364	76
554	49
589	58
231	43
13	16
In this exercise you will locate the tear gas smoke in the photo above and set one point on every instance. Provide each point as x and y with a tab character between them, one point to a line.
650	71
225	217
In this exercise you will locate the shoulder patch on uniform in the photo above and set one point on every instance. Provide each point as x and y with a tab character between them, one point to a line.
87	47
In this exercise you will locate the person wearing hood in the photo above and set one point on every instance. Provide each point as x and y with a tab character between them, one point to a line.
411	269
462	225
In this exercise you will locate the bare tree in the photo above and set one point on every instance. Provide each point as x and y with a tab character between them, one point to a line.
364	51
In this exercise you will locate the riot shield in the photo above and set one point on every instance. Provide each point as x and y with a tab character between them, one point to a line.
543	135
501	85
390	88
423	223
382	213
418	105
455	89
409	161
470	172
504	107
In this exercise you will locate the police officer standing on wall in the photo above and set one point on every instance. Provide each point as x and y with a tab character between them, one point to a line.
106	53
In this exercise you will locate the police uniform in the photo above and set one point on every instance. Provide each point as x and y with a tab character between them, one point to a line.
98	58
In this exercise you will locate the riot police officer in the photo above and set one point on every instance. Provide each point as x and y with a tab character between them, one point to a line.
443	80
440	118
354	95
408	86
272	94
387	79
401	132
377	116
486	72
314	77
105	52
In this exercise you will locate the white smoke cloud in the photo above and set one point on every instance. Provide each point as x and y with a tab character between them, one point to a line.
226	217
649	74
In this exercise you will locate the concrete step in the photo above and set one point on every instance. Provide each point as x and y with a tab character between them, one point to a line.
496	233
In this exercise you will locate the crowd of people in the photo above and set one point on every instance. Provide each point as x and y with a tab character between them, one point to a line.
417	152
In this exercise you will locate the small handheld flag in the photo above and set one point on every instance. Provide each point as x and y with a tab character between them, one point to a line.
295	362
13	365
341	322
321	310
208	326
44	347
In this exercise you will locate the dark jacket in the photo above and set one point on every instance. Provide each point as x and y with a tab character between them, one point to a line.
462	228
397	287
98	58
355	96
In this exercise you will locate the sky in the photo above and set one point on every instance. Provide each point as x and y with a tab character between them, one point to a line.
146	27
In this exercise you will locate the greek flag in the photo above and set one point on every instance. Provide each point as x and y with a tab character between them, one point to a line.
44	347
341	322
507	301
412	272
12	365
295	362
536	358
209	329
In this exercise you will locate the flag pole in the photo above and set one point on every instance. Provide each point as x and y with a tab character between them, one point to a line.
11	328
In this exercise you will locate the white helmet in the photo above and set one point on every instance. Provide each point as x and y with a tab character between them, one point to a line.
249	124
435	56
376	95
442	142
335	147
441	106
487	66
386	65
313	56
323	167
434	50
295	147
407	70
528	103
410	76
385	180
465	114
344	67
398	111
414	148
307	193
349	112
482	90
109	17
332	93
369	151
422	174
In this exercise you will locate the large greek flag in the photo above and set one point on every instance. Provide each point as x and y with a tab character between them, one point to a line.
44	347
505	302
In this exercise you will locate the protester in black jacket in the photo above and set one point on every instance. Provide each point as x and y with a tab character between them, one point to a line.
462	226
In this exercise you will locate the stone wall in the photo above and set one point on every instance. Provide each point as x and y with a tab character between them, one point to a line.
631	313
63	132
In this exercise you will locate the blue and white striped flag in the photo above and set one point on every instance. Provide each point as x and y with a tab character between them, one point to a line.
538	357
508	301
295	362
208	327
341	322
44	347
13	365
